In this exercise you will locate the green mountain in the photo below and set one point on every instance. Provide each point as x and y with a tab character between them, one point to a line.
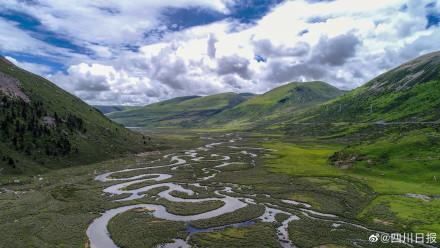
105	109
408	93
43	126
276	104
188	111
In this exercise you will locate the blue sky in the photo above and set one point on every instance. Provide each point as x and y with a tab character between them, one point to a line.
138	52
174	18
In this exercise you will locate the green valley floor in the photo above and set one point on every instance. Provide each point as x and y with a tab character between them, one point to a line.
228	190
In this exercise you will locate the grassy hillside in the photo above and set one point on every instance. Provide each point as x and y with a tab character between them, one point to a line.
276	104
42	126
186	111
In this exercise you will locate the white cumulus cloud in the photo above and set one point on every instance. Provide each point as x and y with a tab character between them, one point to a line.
342	42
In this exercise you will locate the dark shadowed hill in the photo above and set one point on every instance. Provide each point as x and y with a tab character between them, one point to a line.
43	126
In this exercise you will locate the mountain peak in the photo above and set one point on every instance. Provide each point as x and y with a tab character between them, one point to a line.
310	84
308	91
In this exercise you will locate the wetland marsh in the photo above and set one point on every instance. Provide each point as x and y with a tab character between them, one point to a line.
222	190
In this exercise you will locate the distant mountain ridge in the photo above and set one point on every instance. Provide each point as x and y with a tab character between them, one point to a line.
409	92
228	109
43	126
105	109
187	111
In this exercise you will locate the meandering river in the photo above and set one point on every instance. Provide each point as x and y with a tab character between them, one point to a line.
216	155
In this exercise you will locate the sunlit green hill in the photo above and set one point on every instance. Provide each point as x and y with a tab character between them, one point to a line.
410	92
